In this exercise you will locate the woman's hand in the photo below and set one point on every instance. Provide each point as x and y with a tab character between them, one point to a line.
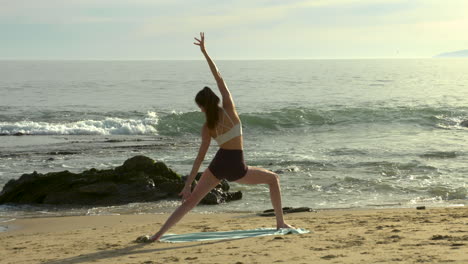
201	42
186	192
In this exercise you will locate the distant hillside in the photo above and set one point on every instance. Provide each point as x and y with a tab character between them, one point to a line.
454	54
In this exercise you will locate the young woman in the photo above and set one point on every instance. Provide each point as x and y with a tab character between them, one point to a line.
222	124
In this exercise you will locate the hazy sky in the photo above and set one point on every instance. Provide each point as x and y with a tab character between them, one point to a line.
235	29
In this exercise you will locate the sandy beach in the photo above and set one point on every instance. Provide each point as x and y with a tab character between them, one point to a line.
434	235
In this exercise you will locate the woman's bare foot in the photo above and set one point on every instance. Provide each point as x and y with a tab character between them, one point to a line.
155	237
284	225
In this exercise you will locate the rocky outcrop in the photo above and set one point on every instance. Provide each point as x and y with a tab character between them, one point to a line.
464	123
139	179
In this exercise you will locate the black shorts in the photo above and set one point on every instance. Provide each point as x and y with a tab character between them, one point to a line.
228	164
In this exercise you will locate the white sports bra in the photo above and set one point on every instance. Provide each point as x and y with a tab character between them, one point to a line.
235	131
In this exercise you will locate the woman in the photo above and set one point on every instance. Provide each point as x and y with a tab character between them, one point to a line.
222	124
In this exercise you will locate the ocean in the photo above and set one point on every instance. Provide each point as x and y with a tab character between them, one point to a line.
340	133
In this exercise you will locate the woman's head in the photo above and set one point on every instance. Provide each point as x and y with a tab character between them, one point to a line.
208	102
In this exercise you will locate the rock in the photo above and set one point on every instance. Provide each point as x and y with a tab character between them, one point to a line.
99	188
139	163
172	186
217	196
139	179
464	123
62	153
287	210
114	140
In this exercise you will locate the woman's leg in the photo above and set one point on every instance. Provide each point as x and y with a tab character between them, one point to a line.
256	175
206	183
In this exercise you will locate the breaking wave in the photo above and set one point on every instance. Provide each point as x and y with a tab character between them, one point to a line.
108	126
176	124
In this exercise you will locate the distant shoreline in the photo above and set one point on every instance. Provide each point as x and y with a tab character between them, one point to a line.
453	54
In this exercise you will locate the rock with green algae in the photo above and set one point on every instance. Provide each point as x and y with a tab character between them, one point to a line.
139	179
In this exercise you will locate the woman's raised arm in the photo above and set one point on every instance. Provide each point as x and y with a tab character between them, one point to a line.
226	95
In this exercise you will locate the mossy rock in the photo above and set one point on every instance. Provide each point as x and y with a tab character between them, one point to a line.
139	179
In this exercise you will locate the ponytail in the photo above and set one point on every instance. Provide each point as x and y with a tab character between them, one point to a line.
210	101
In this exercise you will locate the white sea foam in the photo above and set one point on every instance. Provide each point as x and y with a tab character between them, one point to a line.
108	126
7	220
451	122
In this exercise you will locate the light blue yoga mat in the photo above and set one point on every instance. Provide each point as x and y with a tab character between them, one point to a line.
235	234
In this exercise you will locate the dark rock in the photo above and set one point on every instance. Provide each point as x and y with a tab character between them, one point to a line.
421	207
213	197
139	179
114	140
464	123
62	153
99	188
224	185
217	196
172	186
287	210
137	163
273	210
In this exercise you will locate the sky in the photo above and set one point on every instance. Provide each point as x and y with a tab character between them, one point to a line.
234	29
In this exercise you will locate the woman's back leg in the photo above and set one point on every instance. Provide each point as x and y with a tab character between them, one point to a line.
206	183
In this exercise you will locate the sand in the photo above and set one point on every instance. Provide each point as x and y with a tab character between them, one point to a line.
434	235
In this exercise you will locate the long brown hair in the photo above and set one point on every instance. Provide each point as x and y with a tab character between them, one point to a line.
207	99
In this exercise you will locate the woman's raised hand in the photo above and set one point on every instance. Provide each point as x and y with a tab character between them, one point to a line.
201	42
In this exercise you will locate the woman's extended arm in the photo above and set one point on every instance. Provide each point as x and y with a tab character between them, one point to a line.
227	98
205	144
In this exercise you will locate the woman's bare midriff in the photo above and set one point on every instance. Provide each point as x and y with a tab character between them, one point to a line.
235	143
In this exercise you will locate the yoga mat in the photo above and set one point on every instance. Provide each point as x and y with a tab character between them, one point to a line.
235	234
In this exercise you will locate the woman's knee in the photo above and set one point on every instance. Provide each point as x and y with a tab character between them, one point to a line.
273	178
259	176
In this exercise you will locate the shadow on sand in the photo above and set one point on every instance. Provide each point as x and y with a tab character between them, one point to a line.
127	251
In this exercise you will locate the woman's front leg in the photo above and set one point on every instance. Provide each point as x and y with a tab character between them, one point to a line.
261	176
206	183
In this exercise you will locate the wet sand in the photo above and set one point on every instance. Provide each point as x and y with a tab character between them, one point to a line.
434	235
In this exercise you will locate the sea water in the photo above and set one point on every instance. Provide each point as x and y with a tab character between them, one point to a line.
339	133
